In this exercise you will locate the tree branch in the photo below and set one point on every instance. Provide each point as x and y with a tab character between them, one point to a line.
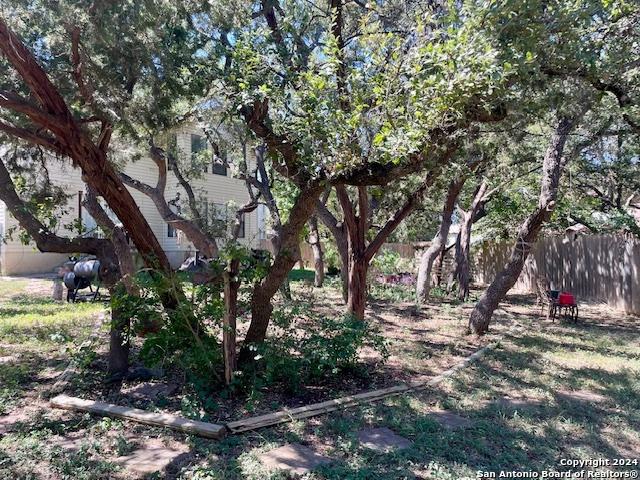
30	136
403	212
47	241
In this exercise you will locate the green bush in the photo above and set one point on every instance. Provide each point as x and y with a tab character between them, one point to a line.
390	262
300	354
187	336
392	293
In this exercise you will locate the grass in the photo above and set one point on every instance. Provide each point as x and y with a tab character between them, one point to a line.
10	288
301	275
601	354
530	437
25	317
39	333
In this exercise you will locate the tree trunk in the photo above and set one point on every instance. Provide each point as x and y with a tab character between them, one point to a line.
462	257
357	298
231	286
120	321
436	277
527	234
423	284
73	140
343	250
356	226
285	259
318	254
340	236
118	363
285	287
463	246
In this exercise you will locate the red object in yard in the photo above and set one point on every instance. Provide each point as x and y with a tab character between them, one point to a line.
566	298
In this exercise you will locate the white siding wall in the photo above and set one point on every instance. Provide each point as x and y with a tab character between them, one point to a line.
16	258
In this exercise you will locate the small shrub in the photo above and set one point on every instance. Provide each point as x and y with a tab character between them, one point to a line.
187	336
389	262
386	262
392	293
297	354
333	271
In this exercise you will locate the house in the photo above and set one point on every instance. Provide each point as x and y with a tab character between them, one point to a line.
217	193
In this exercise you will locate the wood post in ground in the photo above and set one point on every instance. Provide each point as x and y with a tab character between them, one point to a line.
57	290
231	286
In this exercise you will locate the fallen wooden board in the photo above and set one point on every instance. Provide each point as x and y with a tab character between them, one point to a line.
209	430
288	415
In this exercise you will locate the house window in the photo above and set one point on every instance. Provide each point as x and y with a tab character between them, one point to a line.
175	208
219	169
198	144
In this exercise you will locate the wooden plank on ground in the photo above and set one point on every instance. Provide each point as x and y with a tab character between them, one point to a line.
203	429
312	410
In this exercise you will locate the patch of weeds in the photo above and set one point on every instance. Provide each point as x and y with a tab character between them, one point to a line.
123	446
253	399
8	397
191	407
252	469
438	292
209	471
392	293
83	356
81	465
107	424
5	460
321	349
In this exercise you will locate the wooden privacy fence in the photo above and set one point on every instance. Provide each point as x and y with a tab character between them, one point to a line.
601	268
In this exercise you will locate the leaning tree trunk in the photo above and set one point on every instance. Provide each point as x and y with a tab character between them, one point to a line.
318	254
74	140
285	259
339	234
423	284
527	234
